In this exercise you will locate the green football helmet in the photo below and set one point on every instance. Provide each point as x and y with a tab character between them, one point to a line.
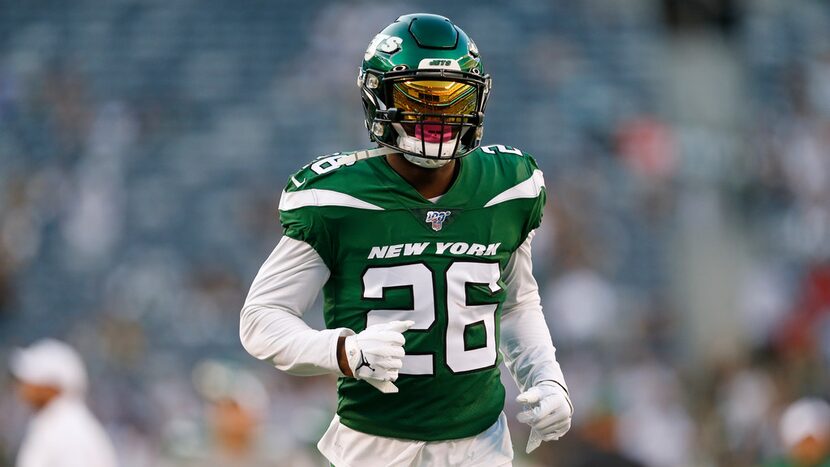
424	90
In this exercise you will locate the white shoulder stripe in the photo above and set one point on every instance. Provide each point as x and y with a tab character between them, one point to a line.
317	197
529	188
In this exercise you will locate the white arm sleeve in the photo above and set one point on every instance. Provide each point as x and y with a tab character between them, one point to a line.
526	345
271	325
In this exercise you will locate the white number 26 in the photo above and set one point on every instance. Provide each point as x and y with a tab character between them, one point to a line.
460	315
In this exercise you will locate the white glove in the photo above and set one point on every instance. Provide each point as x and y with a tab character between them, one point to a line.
548	411
376	354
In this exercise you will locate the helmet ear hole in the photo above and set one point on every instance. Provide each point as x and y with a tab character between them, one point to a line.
372	81
378	129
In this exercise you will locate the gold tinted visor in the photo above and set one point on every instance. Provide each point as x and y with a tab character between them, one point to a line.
434	97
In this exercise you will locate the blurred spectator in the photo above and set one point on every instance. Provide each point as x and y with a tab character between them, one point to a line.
599	446
800	332
52	380
582	306
6	289
234	428
805	430
651	410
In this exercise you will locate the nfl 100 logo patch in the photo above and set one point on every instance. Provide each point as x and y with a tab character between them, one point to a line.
436	219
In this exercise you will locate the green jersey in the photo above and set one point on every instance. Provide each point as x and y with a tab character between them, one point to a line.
393	255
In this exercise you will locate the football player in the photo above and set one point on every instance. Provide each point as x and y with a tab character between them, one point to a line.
422	249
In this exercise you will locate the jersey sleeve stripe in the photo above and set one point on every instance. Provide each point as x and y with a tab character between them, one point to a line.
529	188
319	197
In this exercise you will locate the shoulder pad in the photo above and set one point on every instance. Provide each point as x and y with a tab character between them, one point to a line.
510	158
317	169
515	174
501	149
327	181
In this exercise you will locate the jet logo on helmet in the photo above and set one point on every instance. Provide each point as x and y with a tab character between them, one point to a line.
384	43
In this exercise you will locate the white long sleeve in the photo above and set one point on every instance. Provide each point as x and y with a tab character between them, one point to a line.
525	343
271	325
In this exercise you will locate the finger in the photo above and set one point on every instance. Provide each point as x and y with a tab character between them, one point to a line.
551	418
526	417
552	424
394	337
385	387
376	353
389	337
390	363
556	434
534	417
550	437
552	402
560	429
395	352
531	396
398	326
531	415
547	418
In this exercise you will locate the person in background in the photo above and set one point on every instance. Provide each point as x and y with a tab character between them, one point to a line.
52	380
236	404
805	430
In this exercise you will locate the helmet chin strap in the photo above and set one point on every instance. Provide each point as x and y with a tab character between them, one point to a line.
369	153
425	162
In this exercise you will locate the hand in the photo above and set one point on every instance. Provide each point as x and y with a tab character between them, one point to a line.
548	411
376	354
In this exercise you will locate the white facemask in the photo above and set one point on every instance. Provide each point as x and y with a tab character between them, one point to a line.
425	162
413	144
